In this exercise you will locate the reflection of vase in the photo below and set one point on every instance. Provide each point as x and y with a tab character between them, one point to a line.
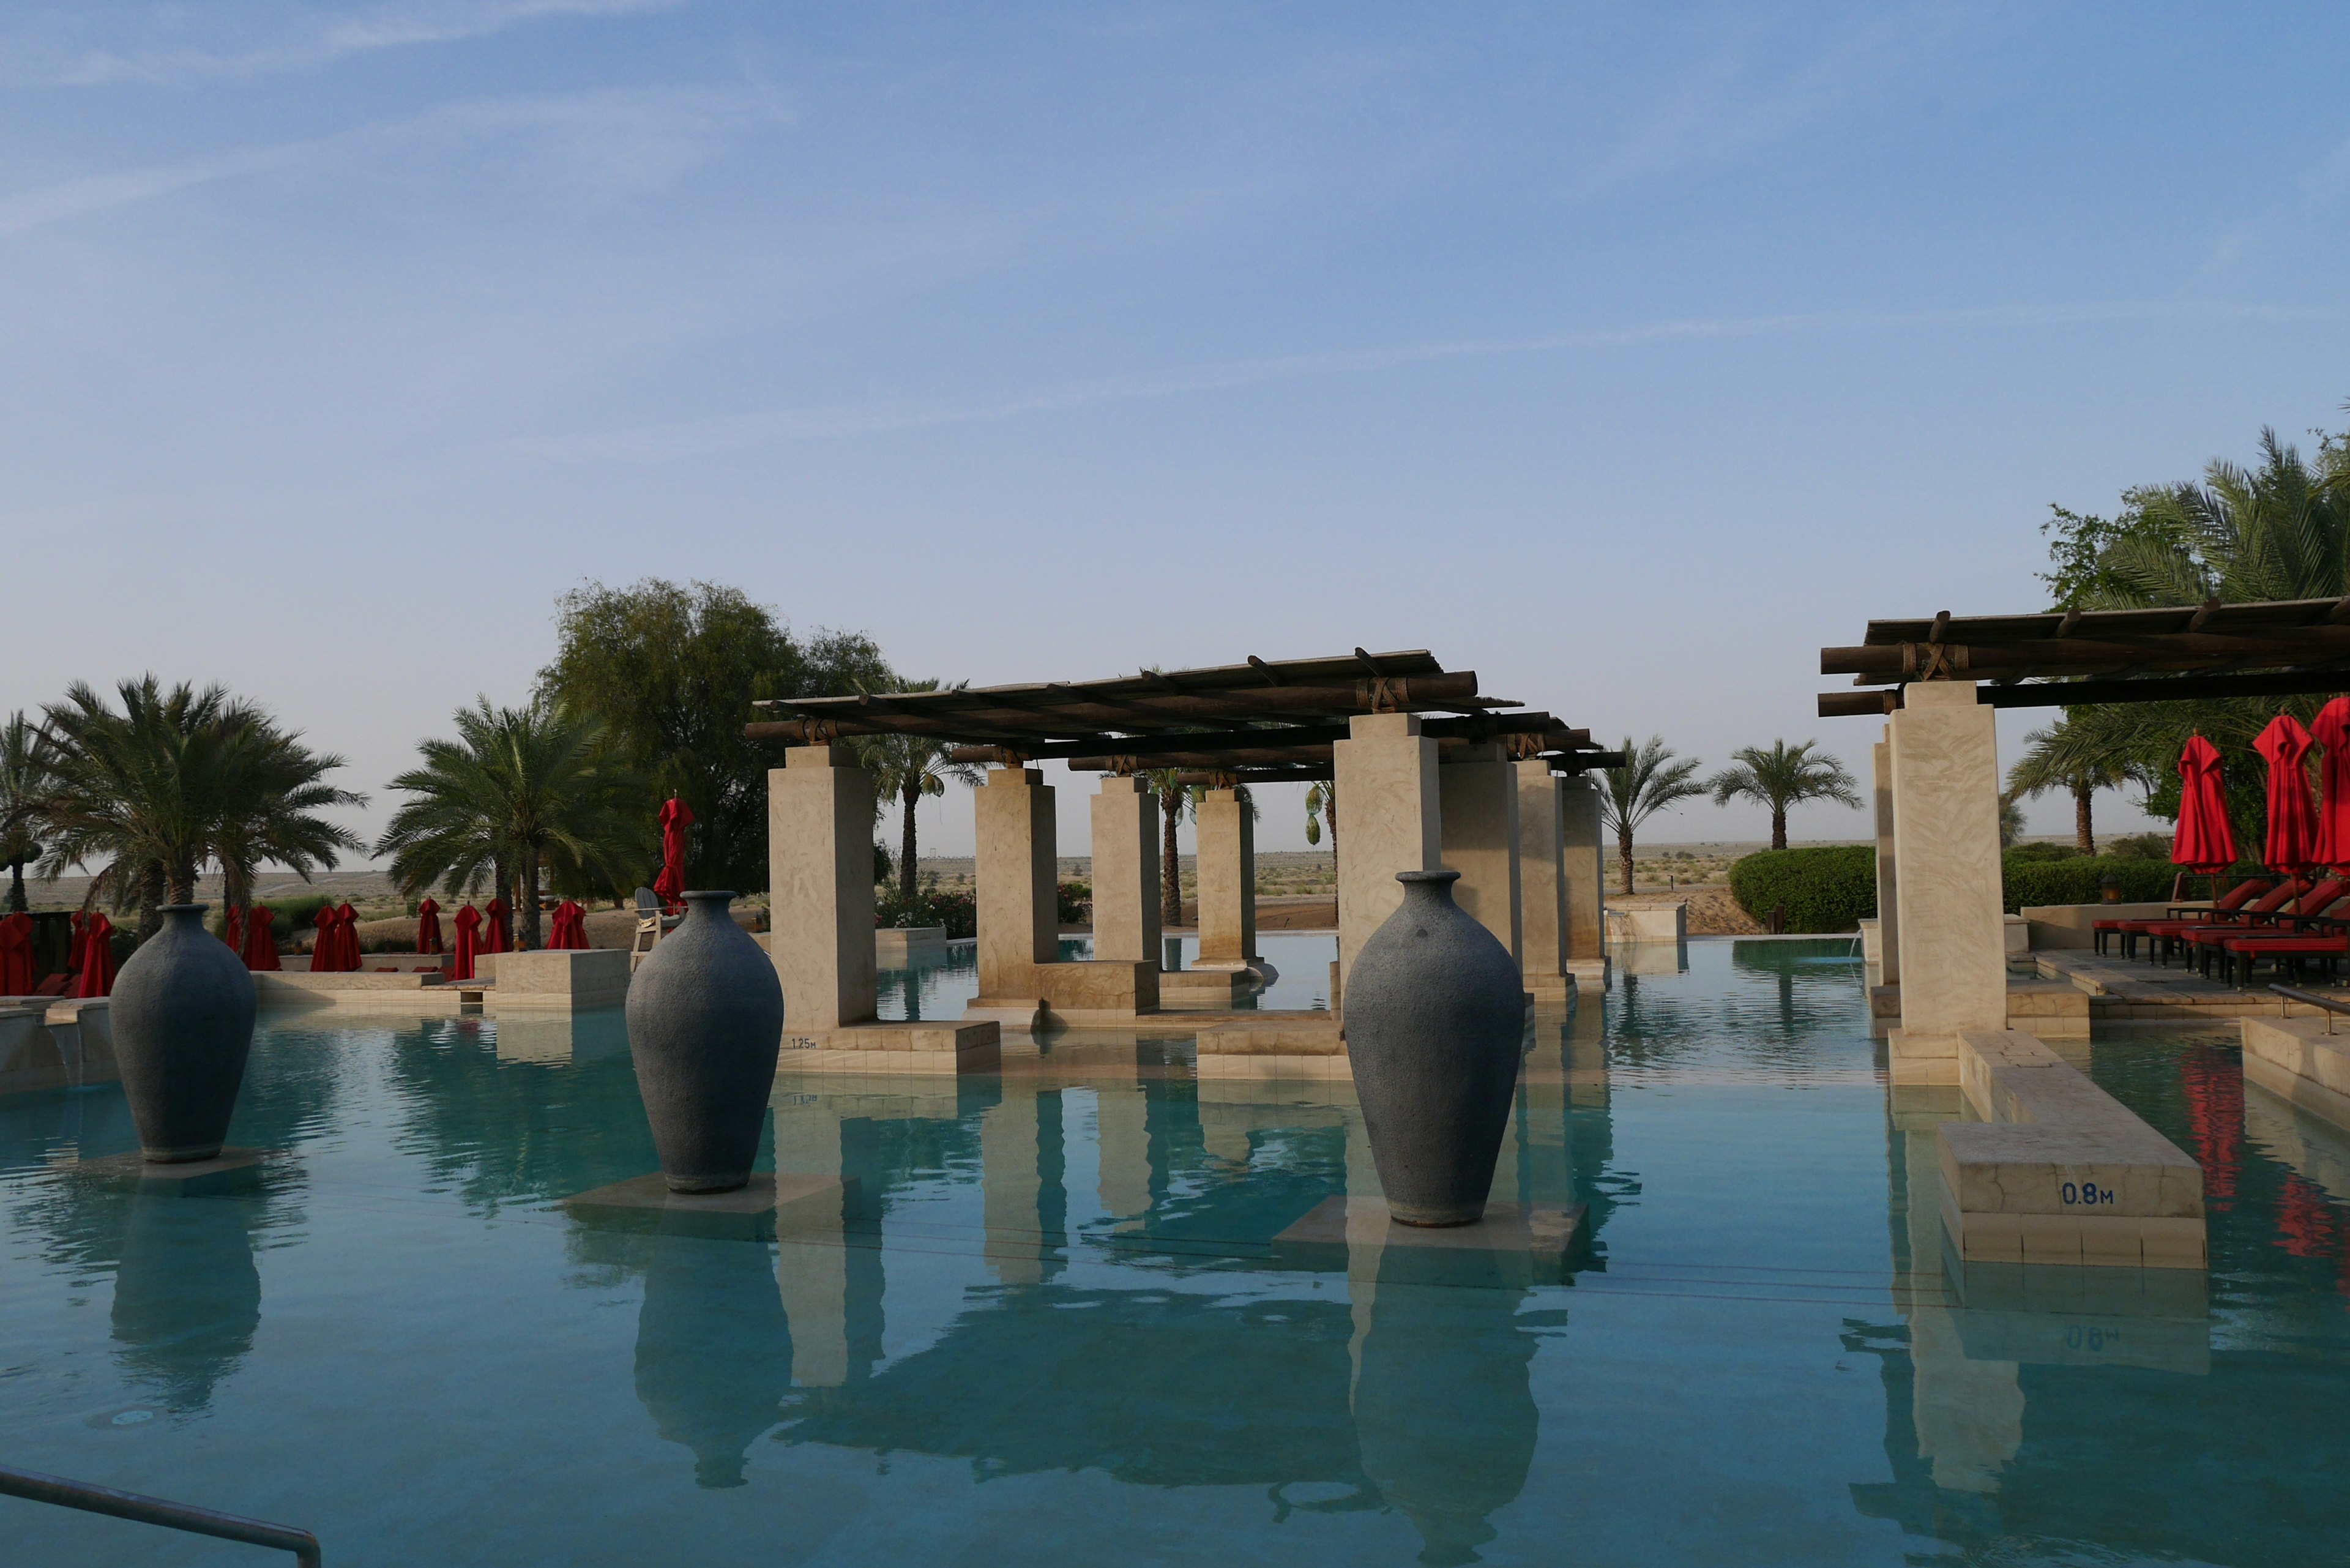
705	1022
187	1297
183	1022
1435	1015
713	1350
1443	1414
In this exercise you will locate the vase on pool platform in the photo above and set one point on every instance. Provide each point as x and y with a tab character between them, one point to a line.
1435	1018
182	1018
705	1022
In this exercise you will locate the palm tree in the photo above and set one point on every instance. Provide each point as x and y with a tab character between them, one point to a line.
1781	777
906	768
23	777
1172	800
1651	779
1322	797
2049	762
178	780
518	787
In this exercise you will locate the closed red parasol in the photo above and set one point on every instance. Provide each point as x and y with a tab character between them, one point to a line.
98	964
500	935
80	938
346	938
260	942
570	928
2293	816
2332	731
428	926
16	976
232	927
2204	841
325	951
675	818
469	942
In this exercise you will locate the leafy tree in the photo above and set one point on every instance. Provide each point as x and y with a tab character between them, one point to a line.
1173	799
1782	777
905	768
519	787
1322	798
178	780
23	782
2048	764
674	672
1651	779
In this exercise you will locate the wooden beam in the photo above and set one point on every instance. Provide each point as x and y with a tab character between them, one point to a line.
2096	693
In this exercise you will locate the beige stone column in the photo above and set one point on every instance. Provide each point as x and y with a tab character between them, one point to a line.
1389	821
1013	866
1888	917
1126	871
1478	797
1946	898
1585	870
820	888
1227	841
1542	876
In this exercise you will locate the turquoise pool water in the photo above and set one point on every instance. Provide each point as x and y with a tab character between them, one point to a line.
1054	1330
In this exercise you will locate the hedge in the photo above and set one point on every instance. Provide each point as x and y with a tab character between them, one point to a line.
1833	889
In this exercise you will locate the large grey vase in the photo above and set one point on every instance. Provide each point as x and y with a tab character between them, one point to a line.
1435	1015
705	1022
181	1012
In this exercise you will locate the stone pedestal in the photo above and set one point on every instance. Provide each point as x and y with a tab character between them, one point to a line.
1949	935
1018	923
563	979
1227	882
1542	882
820	888
1583	872
1478	805
1389	821
1126	872
1887	956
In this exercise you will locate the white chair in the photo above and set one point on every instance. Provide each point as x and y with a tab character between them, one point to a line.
650	924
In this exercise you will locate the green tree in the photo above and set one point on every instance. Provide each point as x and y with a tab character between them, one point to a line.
1782	777
1173	799
1651	779
2049	762
674	672
1322	798
178	780
519	788
24	784
905	768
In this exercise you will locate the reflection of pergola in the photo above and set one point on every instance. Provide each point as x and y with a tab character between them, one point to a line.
1429	771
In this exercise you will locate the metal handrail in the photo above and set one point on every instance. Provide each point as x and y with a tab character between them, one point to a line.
2325	1004
130	1505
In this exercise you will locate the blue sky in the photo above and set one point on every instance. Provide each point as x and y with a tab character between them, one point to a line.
1626	354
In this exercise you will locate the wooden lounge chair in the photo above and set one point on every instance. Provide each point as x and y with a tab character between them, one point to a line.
2102	931
2208	942
2242	954
2164	936
650	924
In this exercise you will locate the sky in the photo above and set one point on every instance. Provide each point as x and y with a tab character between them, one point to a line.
1626	354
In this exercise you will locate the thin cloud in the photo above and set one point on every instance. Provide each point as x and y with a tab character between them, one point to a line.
701	438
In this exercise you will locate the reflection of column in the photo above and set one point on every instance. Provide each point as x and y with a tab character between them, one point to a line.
1122	1126
713	1351
1888	919
1444	1413
1586	890
1019	925
187	1297
1227	841
1477	795
1010	1186
812	1283
1389	821
820	882
1542	874
1126	871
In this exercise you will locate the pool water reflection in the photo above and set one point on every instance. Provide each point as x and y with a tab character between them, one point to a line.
1052	1324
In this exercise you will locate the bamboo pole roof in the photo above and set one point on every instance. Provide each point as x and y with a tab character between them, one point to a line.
2076	657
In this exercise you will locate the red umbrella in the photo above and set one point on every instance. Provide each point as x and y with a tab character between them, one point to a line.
16	976
2205	842
80	938
570	929
346	938
2292	816
325	951
232	927
260	942
2332	731
97	965
675	818
428	926
469	942
500	927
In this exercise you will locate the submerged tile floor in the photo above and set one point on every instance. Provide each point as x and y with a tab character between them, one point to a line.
1051	1325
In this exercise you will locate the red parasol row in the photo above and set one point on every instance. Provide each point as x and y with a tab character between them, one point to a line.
2299	836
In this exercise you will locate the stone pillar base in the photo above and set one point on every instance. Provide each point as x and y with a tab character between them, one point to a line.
1096	991
1914	1057
967	1046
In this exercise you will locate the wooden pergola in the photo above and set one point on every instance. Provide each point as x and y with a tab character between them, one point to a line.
1262	720
2074	658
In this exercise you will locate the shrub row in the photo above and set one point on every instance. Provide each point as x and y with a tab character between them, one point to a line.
1833	889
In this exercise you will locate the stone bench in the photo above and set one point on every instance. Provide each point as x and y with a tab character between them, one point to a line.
2058	1171
2304	1060
895	946
562	978
944	1049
